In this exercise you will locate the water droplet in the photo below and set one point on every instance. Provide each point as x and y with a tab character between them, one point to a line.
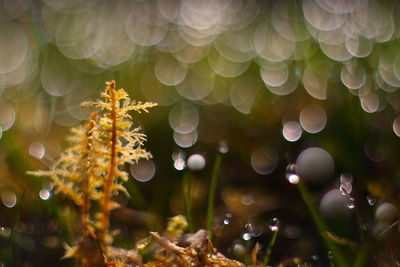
274	225
291	175
351	203
291	168
179	164
249	227
253	229
315	257
246	236
345	189
4	231
346	178
371	200
294	179
227	219
223	147
44	194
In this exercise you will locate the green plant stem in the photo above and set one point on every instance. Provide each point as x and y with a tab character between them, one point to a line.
321	226
212	193
271	244
187	198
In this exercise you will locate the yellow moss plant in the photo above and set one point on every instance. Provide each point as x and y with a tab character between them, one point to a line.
91	171
91	168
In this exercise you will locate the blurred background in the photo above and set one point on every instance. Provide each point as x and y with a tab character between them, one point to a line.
280	90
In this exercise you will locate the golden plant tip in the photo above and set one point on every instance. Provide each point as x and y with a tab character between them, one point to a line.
70	252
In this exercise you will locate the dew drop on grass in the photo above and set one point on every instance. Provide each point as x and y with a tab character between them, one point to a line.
44	194
291	174
249	227
371	200
253	229
274	224
179	164
293	179
179	160
291	168
346	178
345	189
227	219
246	236
223	147
351	203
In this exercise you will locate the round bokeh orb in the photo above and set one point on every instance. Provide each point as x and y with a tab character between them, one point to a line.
315	165
333	205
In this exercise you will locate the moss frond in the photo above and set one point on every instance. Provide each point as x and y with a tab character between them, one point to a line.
72	175
119	144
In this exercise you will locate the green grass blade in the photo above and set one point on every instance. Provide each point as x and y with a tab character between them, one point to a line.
212	193
187	199
321	226
271	244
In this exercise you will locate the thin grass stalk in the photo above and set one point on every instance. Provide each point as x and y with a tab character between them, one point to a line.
321	226
268	251
187	198
212	193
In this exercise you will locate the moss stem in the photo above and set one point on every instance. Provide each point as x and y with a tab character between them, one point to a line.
111	174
